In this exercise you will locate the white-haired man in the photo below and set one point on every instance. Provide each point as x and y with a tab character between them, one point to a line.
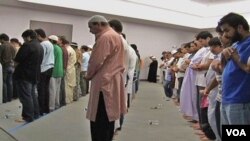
105	70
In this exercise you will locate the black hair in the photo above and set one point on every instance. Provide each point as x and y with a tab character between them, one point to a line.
204	35
179	50
85	48
234	20
218	29
74	45
214	42
15	40
64	40
123	35
29	33
4	37
40	32
187	45
116	25
134	46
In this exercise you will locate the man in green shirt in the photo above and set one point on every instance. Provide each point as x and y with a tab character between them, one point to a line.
57	74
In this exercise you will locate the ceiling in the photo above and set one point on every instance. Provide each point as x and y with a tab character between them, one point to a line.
182	14
212	2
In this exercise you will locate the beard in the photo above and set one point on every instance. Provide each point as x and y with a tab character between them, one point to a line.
236	37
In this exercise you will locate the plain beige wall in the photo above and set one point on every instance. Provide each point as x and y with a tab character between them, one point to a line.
151	40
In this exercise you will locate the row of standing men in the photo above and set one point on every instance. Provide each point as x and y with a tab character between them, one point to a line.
213	77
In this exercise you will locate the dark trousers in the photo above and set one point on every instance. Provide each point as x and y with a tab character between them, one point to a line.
62	93
217	117
27	94
43	91
122	116
180	79
7	84
206	128
14	89
203	117
102	129
198	103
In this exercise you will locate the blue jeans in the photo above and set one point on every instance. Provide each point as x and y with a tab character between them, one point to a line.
168	88
235	114
7	84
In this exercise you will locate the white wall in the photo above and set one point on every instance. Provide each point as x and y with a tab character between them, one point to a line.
151	40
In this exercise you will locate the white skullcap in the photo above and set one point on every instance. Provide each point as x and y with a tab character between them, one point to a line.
90	46
153	57
53	37
173	52
98	18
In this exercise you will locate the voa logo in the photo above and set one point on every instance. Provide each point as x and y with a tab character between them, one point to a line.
236	132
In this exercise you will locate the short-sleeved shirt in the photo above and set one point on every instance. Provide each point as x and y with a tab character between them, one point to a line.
58	66
48	56
235	81
201	75
85	61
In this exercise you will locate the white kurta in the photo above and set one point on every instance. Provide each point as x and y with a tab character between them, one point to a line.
130	58
131	68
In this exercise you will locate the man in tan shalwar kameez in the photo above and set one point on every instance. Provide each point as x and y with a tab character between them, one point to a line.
70	77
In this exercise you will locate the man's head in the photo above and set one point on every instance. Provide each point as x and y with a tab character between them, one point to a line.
234	26
53	39
174	53
225	42
203	37
29	35
62	41
186	47
74	45
15	42
116	25
97	24
41	35
84	48
4	38
215	45
194	46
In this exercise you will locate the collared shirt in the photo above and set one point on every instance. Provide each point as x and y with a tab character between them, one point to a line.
85	61
48	57
58	67
7	54
106	68
201	75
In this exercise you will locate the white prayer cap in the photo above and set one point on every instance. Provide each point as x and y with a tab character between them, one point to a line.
53	37
153	57
98	18
90	46
173	52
